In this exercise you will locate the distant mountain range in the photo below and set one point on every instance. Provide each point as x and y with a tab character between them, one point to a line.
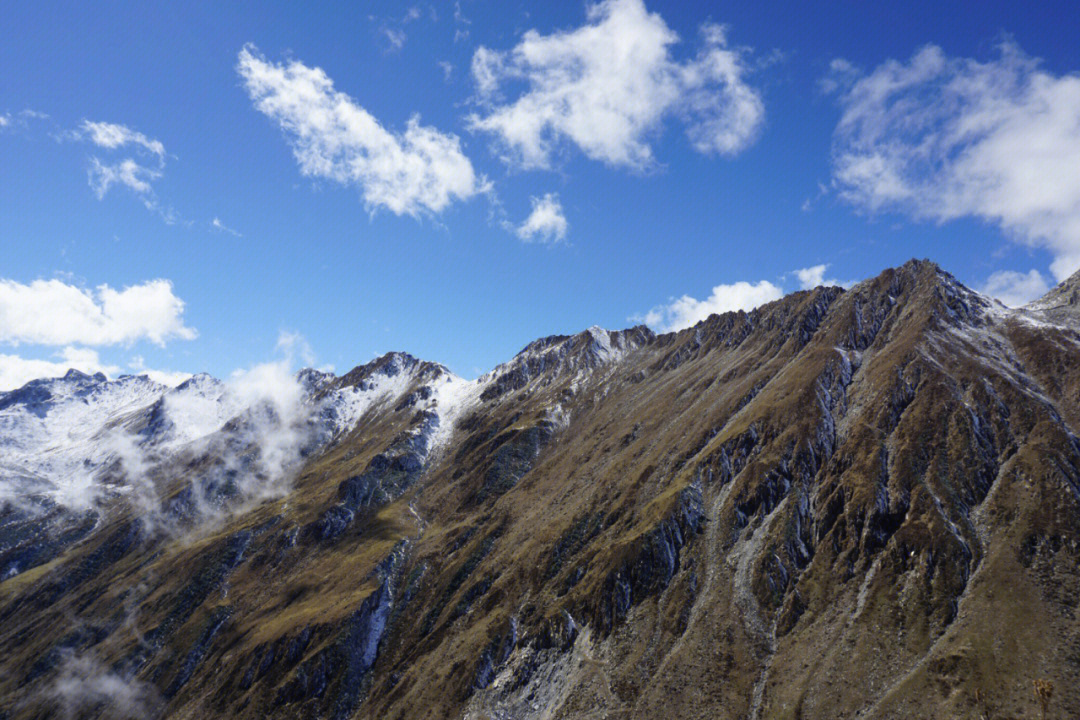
860	503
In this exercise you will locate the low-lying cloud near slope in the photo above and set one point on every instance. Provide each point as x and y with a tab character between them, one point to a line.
122	442
1016	288
83	682
270	424
685	311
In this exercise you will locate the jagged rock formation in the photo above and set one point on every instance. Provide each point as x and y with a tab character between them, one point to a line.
859	503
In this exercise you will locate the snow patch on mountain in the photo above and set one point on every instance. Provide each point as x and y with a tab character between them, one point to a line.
55	433
454	397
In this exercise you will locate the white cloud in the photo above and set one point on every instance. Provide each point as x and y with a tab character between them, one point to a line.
83	683
814	276
841	75
396	38
461	23
52	312
417	171
136	175
942	138
126	172
113	136
1016	288
21	119
218	225
811	277
546	222
608	85
124	157
16	371
687	311
292	344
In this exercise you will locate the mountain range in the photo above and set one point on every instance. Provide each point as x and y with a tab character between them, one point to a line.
859	503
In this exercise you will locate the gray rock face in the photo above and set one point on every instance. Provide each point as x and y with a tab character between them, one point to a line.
655	564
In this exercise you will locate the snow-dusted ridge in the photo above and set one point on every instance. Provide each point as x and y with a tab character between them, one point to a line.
55	433
398	378
59	437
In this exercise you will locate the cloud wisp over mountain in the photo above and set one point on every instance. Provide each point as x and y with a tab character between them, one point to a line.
684	311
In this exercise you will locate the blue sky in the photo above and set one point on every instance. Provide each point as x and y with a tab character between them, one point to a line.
360	179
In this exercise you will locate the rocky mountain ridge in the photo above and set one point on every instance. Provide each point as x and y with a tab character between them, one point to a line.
857	503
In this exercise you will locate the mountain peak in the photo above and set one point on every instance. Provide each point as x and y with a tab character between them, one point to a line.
392	364
73	375
556	354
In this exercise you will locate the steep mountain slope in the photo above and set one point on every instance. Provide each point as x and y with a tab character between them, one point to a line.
842	504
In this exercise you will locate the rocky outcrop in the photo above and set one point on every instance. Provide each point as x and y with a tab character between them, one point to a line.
653	562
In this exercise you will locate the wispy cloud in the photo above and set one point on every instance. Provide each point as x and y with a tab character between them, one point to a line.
395	37
127	172
113	136
608	85
546	222
83	683
461	24
940	138
20	120
418	171
123	157
222	227
136	172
